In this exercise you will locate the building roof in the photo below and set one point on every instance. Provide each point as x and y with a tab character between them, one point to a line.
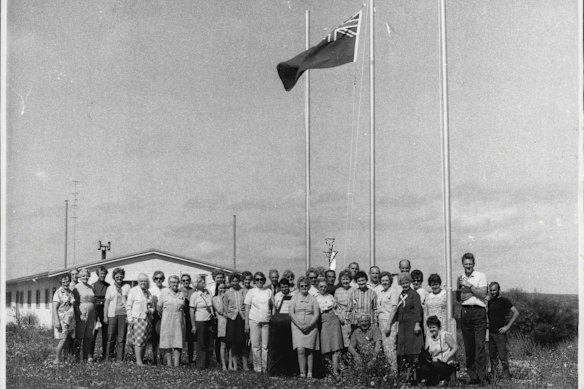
123	258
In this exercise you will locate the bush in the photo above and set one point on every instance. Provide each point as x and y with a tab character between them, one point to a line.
27	319
547	319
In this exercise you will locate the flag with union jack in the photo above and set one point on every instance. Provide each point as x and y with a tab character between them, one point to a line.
337	48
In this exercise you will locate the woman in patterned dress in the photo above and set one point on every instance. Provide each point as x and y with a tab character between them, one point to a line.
172	324
331	337
436	302
304	312
342	309
221	324
63	316
139	310
386	311
85	315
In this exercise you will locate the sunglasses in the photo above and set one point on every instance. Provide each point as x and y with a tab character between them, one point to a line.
186	280
158	279
303	286
416	280
313	277
118	278
260	279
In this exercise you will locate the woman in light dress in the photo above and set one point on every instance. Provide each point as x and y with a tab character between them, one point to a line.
436	302
63	316
304	313
331	337
85	315
386	308
221	323
342	308
172	324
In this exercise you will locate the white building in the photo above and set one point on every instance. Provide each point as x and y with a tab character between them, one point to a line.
34	294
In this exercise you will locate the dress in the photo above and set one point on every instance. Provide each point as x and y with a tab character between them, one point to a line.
221	319
172	324
304	308
331	337
342	310
85	316
386	309
65	312
409	312
436	305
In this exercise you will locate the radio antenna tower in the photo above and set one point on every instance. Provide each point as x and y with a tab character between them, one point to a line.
74	216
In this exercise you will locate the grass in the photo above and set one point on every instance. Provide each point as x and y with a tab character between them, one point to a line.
30	350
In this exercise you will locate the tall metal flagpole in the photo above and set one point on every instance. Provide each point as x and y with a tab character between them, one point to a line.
66	225
307	128
581	199
372	131
445	160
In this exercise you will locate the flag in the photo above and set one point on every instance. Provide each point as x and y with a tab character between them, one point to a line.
337	48
333	261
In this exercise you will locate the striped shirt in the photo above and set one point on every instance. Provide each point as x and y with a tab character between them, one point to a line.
362	302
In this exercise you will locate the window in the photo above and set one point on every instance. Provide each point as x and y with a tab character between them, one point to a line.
47	298
8	299
21	299
29	298
38	298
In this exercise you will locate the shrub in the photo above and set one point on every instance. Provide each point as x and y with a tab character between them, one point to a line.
547	319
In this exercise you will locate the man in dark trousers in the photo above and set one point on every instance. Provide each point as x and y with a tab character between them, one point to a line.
99	288
472	292
499	308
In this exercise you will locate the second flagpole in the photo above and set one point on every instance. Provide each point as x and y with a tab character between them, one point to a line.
307	128
372	132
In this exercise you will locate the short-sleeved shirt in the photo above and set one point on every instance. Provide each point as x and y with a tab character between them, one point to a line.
203	304
498	310
100	290
282	302
259	302
360	338
117	300
423	294
326	302
478	280
362	302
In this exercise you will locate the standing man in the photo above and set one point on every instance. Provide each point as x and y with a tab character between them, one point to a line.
405	266
354	269
374	281
472	291
331	277
499	308
274	277
99	289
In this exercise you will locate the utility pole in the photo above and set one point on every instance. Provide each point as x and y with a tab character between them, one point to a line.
75	217
66	222
234	241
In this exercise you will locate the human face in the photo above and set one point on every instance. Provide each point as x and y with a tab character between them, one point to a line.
158	280
353	268
247	281
101	275
345	282
143	282
322	288
222	288
285	289
468	265
219	278
416	283
374	274
303	288
494	291
330	278
84	277
385	282
313	277
65	282
235	283
260	281
434	330
362	283
364	323
405	284
436	287
75	275
119	279
173	284
274	278
186	282
201	284
404	266
291	279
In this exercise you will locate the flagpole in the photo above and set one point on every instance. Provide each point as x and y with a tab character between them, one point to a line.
372	132
307	128
445	160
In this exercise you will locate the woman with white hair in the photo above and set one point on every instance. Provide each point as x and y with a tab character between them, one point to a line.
139	310
201	314
85	315
172	323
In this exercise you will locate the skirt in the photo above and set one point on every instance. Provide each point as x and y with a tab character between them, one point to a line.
140	332
235	335
331	337
282	360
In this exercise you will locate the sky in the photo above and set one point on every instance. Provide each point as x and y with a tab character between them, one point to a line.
171	116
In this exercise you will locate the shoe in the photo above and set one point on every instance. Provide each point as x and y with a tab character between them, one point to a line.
309	375
90	360
442	384
302	375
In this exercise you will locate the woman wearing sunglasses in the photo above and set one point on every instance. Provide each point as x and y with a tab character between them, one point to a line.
304	312
258	308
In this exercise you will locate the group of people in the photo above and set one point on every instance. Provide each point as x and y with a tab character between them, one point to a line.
308	326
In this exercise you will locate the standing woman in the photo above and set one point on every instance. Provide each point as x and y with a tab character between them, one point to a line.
188	291
304	313
258	311
436	302
63	316
221	323
342	294
201	314
331	337
84	315
289	275
114	316
234	312
282	359
386	311
139	312
172	323
409	337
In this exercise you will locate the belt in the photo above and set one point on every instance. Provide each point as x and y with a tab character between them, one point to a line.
473	307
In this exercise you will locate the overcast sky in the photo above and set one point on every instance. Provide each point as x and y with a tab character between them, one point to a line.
172	116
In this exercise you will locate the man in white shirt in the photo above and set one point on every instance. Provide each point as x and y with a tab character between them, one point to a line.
354	269
404	267
374	282
471	292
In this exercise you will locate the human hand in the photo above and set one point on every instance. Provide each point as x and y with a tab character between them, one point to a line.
417	328
387	330
194	331
247	328
503	329
104	319
59	327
